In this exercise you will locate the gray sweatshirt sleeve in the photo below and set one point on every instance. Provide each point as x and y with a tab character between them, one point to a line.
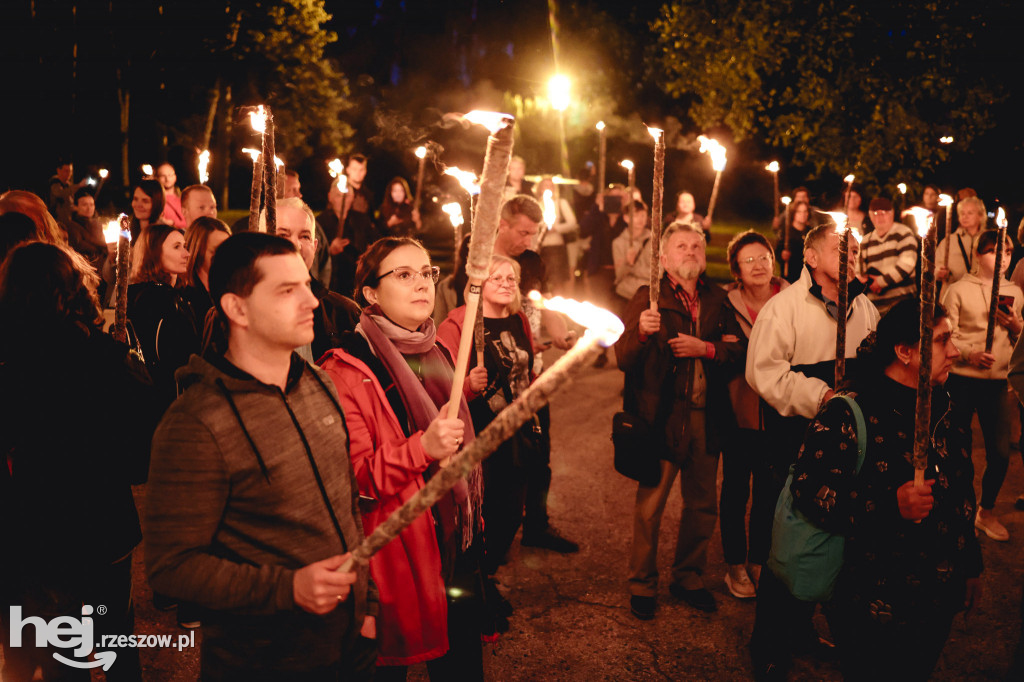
186	497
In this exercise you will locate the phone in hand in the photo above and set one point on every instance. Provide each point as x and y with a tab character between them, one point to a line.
1006	304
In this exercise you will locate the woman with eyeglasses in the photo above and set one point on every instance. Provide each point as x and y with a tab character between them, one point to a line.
753	266
394	383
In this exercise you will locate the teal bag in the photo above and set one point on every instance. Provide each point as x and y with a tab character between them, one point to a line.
804	557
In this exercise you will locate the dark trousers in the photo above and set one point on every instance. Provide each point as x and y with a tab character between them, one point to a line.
357	665
987	397
537	462
743	460
781	621
504	498
109	586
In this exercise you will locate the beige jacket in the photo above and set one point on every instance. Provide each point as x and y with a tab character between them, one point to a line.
967	301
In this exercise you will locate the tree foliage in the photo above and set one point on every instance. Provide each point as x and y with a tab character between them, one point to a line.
840	88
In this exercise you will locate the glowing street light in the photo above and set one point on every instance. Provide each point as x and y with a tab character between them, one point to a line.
558	92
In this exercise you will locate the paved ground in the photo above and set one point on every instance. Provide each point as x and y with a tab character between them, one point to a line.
572	620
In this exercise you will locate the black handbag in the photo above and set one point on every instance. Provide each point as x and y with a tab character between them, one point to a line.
639	445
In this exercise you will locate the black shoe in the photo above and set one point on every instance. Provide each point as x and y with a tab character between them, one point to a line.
642	607
1018	504
549	538
700	599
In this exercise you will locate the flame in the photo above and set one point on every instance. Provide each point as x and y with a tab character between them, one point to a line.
787	200
902	187
204	162
104	173
772	167
91	181
492	120
601	325
147	170
254	153
600	125
849	179
342	184
335	168
946	139
278	162
840	219
945	200
258	120
421	152
717	152
467	179
114	231
550	213
856	234
923	217
454	211
1001	218
656	133
627	164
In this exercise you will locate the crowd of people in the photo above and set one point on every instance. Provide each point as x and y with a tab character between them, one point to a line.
281	395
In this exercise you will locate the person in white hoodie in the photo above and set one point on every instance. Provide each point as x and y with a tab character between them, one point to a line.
978	378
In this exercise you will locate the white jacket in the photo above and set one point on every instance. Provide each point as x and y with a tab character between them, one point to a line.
967	302
794	338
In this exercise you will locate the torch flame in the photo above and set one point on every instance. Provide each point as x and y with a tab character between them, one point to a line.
772	167
849	179
856	234
902	187
550	213
923	217
600	323
787	200
945	200
946	139
492	120
343	184
204	163
104	173
716	150
467	179
258	119
627	164
254	153
421	152
840	219
147	170
278	162
335	168
656	133
600	125
454	211
1001	218
113	231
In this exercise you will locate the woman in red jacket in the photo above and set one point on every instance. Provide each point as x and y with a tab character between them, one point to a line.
393	382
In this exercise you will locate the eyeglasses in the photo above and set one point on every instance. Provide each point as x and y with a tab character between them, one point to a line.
510	281
764	259
408	275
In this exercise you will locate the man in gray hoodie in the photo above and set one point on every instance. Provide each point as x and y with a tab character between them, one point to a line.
252	505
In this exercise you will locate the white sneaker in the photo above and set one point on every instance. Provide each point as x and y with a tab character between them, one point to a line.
738	582
991	527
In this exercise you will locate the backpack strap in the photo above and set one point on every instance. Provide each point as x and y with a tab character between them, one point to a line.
862	436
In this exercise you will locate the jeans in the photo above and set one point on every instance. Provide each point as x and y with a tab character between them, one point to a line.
987	397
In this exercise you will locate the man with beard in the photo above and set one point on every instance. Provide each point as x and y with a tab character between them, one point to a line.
679	349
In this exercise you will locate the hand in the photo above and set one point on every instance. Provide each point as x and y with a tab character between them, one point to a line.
443	437
942	273
394	219
686	346
877	283
564	342
785	255
980	358
477	379
972	598
706	224
650	322
1010	320
337	245
369	629
318	588
915	502
416	218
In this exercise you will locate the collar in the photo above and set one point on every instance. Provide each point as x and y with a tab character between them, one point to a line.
295	368
853	290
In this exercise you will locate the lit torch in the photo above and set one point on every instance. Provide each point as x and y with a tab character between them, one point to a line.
120	231
946	201
421	154
846	194
843	294
923	412
718	160
997	276
258	121
786	201
470	183
773	168
204	164
550	212
485	227
656	201
603	329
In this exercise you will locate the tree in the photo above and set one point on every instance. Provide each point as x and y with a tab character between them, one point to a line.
838	88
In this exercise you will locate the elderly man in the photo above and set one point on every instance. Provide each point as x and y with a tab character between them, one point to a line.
791	365
677	352
888	257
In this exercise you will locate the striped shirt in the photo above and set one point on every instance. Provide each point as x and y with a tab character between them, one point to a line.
894	257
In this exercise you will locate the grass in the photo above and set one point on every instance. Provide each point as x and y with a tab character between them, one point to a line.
722	233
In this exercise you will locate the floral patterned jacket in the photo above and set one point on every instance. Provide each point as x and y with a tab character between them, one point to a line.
900	571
